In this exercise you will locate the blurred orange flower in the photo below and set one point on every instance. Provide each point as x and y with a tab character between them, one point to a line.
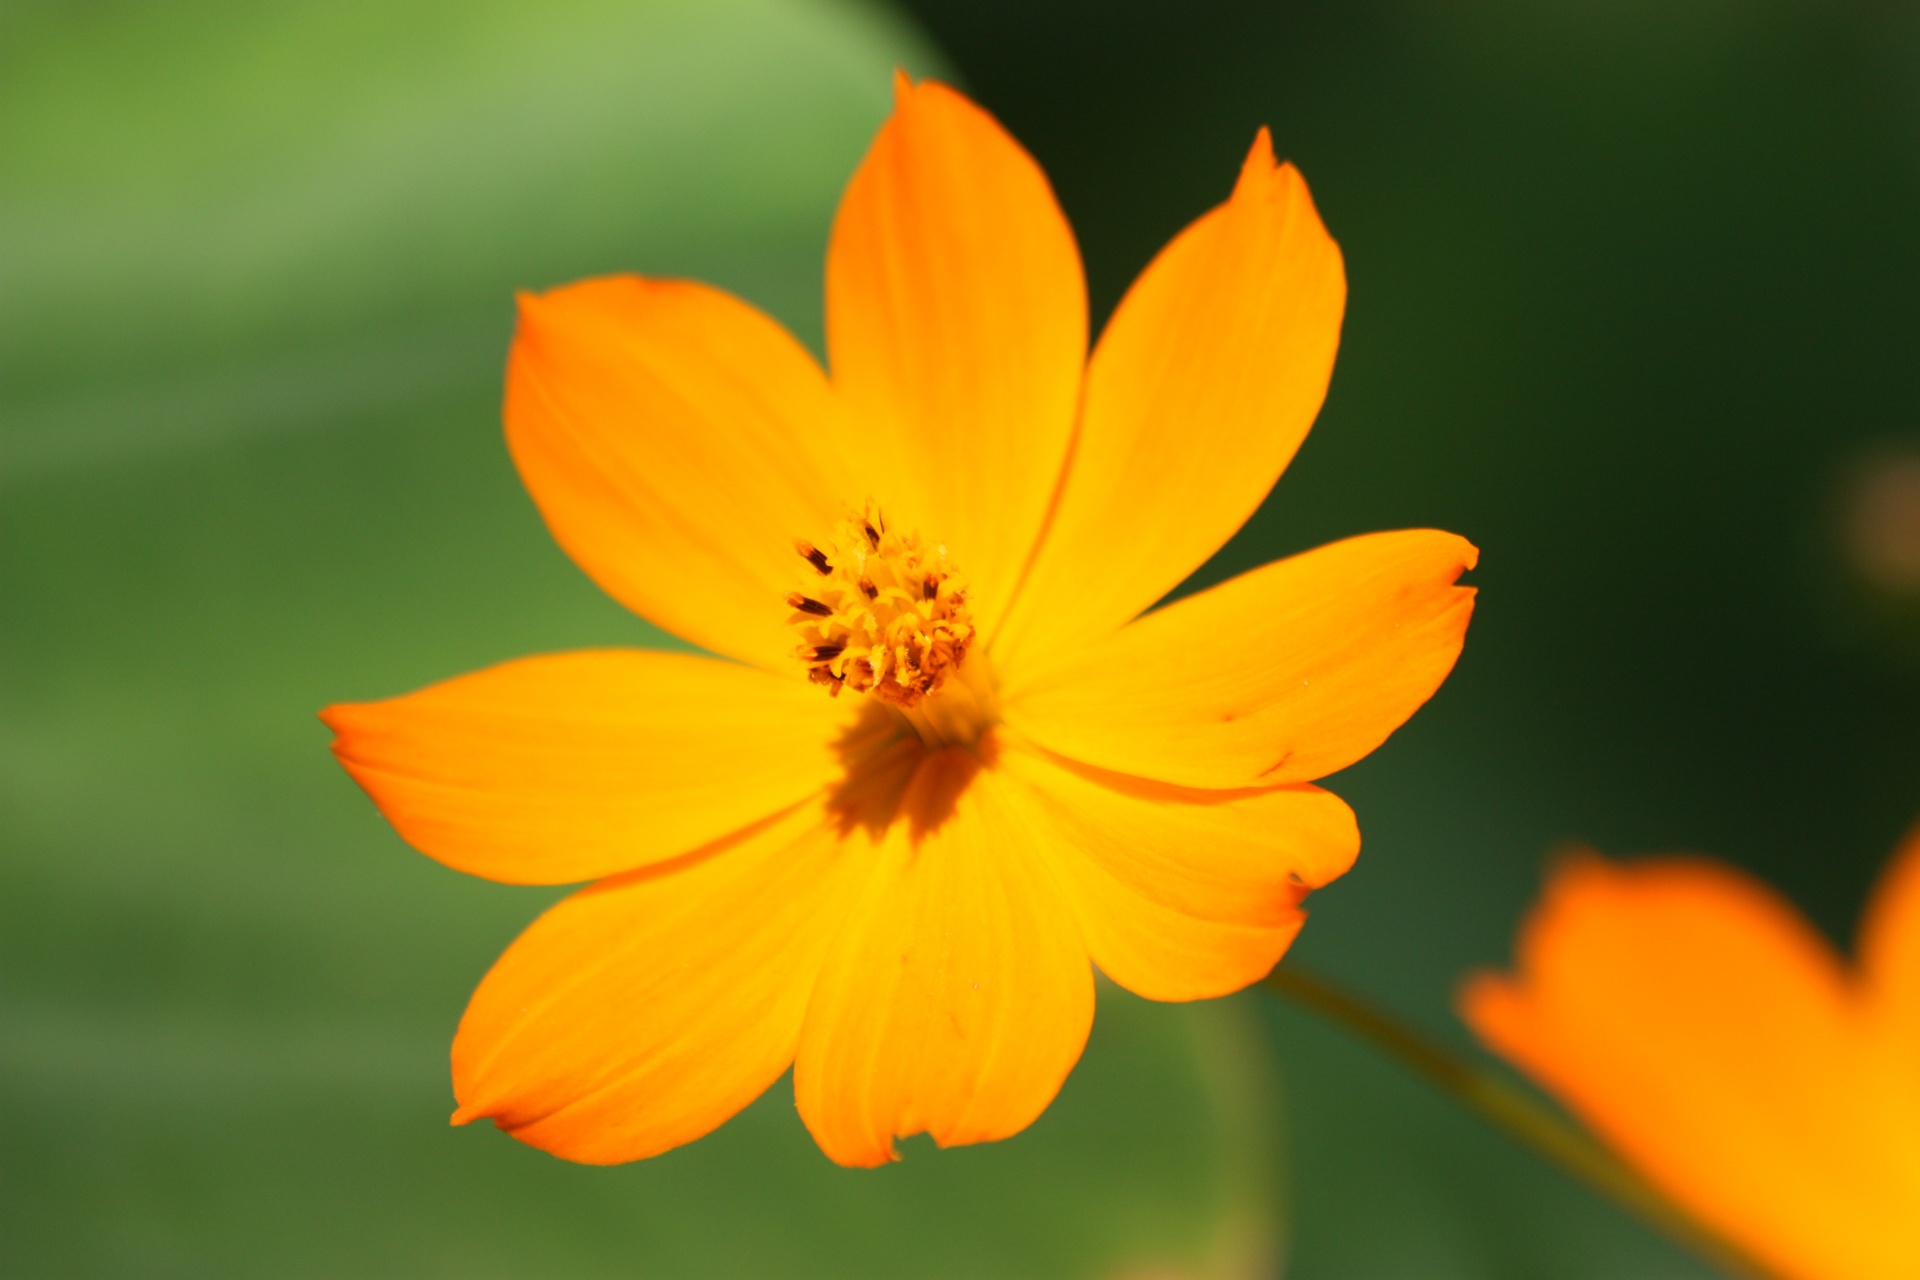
1696	1022
882	843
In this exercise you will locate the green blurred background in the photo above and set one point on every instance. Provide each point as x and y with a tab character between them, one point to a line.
1633	306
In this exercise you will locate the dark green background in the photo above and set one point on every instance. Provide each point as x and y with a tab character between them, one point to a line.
1633	290
1633	294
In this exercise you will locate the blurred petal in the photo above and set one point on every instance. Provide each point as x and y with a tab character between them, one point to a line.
677	442
1696	1022
1183	894
957	328
567	767
958	995
1201	389
1283	674
644	1011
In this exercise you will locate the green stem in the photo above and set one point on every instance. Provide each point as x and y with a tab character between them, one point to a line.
1517	1113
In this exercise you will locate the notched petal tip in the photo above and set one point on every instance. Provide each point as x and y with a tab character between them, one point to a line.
1448	570
537	314
532	306
929	117
350	723
1262	176
876	1157
538	304
1260	158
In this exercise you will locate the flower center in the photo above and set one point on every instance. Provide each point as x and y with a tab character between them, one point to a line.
880	613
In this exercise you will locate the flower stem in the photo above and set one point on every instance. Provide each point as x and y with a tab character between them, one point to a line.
1516	1113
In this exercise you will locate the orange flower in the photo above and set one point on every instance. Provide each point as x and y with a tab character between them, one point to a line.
1696	1022
883	842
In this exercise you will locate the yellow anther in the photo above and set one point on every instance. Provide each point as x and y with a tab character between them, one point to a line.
879	612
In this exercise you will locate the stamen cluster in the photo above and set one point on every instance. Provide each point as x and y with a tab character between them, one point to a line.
880	613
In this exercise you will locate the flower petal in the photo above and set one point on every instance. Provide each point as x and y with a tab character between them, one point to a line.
644	1011
563	768
958	995
1183	894
1202	386
677	442
1696	1022
1283	674
957	330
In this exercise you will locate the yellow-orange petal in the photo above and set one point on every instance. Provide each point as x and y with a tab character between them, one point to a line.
1199	392
1182	894
957	331
1280	675
1700	1026
677	441
959	994
572	766
642	1012
1889	981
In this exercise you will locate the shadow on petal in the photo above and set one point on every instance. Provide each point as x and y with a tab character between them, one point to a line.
892	776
